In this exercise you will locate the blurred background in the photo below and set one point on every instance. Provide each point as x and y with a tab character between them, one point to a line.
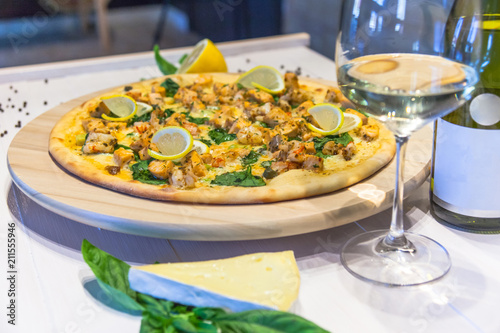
40	31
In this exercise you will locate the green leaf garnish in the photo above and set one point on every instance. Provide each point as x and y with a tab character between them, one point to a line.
159	315
266	321
219	135
239	178
170	86
343	139
141	173
165	67
197	121
251	158
144	118
112	276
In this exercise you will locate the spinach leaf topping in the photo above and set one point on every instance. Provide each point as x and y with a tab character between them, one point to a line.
251	158
219	135
168	112
239	178
343	139
197	121
170	87
141	173
145	118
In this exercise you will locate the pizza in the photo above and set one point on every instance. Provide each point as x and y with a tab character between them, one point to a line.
258	147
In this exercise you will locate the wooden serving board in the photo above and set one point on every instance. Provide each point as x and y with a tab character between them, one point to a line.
34	171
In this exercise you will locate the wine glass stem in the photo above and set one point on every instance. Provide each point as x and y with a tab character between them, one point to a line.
395	239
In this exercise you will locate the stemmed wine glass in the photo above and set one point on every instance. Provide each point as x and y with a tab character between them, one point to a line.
394	62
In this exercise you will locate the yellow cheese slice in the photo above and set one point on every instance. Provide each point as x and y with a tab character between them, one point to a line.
253	281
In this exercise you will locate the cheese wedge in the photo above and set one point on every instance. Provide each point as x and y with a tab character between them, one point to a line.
253	281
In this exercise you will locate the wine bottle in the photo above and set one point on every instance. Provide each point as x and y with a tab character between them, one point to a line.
465	175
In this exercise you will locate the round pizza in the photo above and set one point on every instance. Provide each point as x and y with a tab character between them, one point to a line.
206	138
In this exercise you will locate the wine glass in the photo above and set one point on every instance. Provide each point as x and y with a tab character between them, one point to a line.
393	62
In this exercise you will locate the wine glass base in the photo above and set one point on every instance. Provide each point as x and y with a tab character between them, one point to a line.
428	262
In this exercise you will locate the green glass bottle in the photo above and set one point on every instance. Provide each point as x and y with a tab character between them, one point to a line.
465	175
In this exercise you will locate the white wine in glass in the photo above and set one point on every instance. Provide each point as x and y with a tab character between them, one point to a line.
390	64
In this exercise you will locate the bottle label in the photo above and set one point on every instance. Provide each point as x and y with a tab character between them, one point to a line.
466	177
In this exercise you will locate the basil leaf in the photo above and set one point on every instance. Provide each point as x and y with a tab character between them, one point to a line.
265	321
141	173
240	86
112	276
251	158
163	65
197	121
170	87
239	178
155	324
183	58
343	139
208	313
157	307
184	325
219	136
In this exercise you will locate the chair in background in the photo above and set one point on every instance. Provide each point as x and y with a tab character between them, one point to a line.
84	9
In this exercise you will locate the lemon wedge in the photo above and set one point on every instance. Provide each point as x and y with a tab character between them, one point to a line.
173	143
332	120
204	58
143	108
351	121
122	106
199	147
329	118
263	77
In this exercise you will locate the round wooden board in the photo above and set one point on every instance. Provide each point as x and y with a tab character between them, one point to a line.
35	172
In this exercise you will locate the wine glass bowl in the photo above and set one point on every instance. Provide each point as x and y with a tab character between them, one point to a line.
391	64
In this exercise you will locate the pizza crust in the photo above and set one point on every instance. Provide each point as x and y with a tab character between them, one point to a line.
293	184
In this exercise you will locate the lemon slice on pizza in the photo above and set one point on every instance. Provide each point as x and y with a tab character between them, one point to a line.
263	77
122	107
172	143
332	120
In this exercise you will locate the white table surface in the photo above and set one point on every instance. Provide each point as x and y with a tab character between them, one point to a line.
56	291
